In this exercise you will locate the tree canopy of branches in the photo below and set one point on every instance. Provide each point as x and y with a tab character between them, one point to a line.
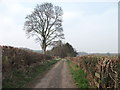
45	23
64	50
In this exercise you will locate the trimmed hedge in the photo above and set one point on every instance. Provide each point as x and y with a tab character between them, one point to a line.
19	59
103	71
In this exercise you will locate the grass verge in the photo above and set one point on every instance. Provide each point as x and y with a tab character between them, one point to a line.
78	75
20	78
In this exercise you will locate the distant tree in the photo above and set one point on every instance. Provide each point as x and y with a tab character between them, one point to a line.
57	43
63	50
70	50
108	53
45	23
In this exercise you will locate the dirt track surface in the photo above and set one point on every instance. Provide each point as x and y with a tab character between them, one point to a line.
58	77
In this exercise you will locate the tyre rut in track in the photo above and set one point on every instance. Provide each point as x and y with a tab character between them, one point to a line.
58	77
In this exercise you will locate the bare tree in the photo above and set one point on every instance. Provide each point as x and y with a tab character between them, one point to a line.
45	23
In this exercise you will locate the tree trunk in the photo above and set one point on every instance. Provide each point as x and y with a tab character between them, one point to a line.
44	44
44	50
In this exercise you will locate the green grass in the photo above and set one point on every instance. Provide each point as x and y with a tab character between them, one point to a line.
78	75
20	78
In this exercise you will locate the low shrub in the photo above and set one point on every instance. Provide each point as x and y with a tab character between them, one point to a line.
20	59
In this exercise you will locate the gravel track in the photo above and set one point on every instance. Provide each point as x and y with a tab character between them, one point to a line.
58	77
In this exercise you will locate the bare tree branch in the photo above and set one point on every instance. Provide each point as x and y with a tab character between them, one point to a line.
45	23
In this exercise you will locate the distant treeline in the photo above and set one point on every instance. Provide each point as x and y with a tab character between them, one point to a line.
62	50
98	54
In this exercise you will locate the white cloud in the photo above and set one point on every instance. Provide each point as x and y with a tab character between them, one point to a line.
72	15
11	25
13	7
85	32
97	33
72	0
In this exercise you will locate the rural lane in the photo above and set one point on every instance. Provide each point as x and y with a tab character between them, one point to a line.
58	77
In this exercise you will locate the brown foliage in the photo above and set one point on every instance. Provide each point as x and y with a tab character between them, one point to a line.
15	58
103	71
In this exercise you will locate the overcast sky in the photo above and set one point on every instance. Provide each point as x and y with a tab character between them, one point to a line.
88	26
